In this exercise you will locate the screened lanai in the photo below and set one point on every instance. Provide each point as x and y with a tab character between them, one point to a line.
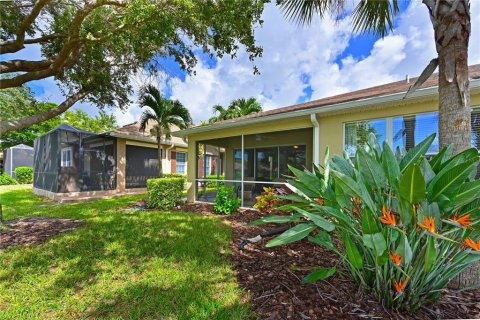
68	159
248	163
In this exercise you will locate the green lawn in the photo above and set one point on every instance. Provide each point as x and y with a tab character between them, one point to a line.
120	265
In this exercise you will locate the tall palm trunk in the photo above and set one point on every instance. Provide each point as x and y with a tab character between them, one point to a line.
159	147
451	23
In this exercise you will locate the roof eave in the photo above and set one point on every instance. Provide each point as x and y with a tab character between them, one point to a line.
143	139
420	93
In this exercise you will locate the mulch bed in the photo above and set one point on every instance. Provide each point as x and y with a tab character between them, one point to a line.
271	279
34	230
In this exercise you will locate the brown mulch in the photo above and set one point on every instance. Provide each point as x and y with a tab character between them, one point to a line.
271	278
35	230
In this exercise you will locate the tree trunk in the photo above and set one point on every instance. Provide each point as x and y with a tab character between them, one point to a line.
159	145
451	24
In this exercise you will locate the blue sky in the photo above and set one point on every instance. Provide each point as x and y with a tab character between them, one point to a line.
299	63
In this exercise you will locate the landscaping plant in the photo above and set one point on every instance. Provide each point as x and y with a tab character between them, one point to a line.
165	193
406	224
24	175
226	202
6	179
268	200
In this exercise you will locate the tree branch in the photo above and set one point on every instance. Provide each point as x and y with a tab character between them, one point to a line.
7	126
18	44
24	65
45	38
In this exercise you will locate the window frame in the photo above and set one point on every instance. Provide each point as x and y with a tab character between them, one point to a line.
183	163
63	161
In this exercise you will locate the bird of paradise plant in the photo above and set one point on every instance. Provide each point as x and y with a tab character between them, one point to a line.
406	225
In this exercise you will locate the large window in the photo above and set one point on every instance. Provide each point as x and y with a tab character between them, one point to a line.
356	133
66	157
268	163
403	132
181	161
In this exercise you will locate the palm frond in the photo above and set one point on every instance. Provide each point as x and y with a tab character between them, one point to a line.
303	11
375	16
147	116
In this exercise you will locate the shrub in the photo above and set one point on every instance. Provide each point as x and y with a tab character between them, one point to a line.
24	174
268	200
164	193
175	175
5	179
226	202
406	225
214	184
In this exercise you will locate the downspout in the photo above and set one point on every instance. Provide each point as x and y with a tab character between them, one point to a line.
316	139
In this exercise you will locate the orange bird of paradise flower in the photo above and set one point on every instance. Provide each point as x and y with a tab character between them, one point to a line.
400	285
319	201
428	223
356	201
388	217
464	220
395	258
472	244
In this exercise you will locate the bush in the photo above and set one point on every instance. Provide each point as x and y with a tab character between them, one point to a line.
214	184
5	179
268	201
406	225
164	193
24	174
175	175
225	201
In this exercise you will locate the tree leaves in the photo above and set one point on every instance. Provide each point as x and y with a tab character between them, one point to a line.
319	274
296	233
412	184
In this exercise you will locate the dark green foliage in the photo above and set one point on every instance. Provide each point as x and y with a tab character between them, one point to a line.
5	179
237	108
214	184
165	193
226	202
24	175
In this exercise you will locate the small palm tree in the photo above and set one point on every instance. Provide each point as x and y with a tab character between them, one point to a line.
164	113
237	108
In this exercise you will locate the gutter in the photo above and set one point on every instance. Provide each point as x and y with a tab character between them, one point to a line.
395	97
316	138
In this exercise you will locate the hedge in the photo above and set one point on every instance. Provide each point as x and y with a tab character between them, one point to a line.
213	184
5	179
165	193
24	174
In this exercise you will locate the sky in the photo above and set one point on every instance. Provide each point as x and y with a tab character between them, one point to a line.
299	63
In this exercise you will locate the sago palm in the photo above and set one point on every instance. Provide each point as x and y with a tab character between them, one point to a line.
451	23
164	113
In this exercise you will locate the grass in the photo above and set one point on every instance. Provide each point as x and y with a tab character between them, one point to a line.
121	265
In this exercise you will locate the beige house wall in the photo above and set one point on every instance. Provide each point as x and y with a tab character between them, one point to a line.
331	130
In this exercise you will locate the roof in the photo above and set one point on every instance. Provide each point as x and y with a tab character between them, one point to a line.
21	146
393	88
67	127
132	131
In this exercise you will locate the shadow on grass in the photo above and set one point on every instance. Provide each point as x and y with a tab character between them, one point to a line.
121	264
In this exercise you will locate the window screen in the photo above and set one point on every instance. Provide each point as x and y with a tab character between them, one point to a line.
476	128
142	164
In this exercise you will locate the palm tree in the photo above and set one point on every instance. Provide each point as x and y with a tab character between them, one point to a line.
237	108
451	23
164	113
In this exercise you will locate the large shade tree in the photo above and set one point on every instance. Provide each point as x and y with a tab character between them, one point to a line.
451	24
164	114
237	108
92	48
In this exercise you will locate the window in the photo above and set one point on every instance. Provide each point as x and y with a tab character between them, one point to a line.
476	128
181	160
66	157
410	130
295	156
208	165
266	164
248	163
357	133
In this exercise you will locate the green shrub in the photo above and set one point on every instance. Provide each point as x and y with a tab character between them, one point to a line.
5	179
226	202
165	193
214	184
24	174
406	225
175	175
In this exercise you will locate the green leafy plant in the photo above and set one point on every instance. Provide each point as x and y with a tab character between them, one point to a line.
268	201
406	226
214	184
226	202
6	179
24	174
164	193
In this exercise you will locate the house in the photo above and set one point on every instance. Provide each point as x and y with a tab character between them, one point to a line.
255	150
17	156
72	163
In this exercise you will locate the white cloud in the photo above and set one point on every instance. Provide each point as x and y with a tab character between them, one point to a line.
296	58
